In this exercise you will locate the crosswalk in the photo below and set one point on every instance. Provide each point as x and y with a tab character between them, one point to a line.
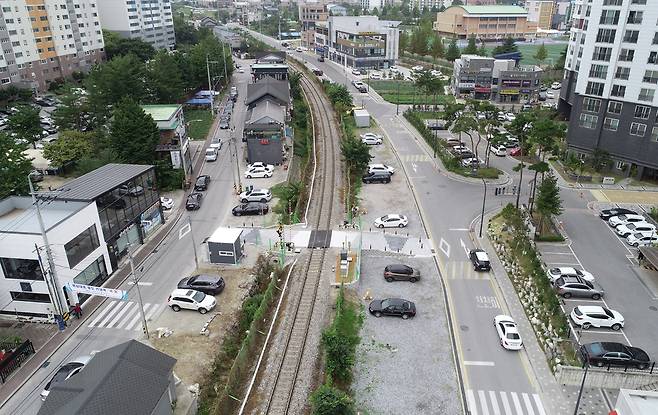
415	157
503	403
463	270
125	315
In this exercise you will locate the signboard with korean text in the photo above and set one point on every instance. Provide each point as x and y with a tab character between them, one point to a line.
98	291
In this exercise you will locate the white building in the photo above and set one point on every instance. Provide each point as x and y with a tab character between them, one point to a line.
148	20
635	402
430	4
79	253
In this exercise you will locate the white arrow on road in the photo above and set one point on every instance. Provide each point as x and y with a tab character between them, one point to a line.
415	167
463	245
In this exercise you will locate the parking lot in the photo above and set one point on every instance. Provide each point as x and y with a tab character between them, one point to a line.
396	357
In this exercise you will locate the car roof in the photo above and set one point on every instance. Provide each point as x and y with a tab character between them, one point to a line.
183	292
590	309
394	267
395	301
206	277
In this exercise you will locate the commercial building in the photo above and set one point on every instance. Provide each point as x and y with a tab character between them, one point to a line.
228	36
636	402
310	13
610	82
47	40
31	285
336	10
562	15
360	41
174	143
271	64
541	12
485	22
148	20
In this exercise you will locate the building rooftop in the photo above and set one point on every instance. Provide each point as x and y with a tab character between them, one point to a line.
161	112
105	178
268	86
640	402
18	214
225	235
269	65
495	9
266	112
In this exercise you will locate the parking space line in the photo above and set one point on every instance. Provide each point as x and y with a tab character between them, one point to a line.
477	363
566	263
557	253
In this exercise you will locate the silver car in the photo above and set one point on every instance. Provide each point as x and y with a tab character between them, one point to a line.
569	286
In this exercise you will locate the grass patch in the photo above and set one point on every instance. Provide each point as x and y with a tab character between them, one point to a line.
408	93
199	123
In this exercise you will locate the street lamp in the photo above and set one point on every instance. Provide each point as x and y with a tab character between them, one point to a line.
582	386
212	96
484	201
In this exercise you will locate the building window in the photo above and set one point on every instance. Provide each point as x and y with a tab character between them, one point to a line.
650	77
646	94
655	39
626	55
654	134
634	17
94	274
609	17
638	129
612	2
618	91
598	71
594	88
82	245
21	269
614	107
642	112
653	57
588	121
610	124
29	296
602	54
606	35
638	1
630	36
591	105
622	73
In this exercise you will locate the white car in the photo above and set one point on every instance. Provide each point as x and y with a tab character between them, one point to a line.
258	172
191	300
436	73
166	202
216	143
269	167
499	150
240	70
556	85
471	162
625	219
417	68
65	372
394	69
460	149
642	239
557	272
371	139
372	168
299	49
392	220
256	195
375	75
509	117
587	316
550	94
356	72
508	333
633	228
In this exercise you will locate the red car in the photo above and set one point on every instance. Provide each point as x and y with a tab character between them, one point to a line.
515	152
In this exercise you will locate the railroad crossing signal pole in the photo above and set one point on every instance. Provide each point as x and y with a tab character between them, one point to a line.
282	245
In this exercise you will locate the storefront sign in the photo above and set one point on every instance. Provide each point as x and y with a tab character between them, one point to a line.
469	85
98	291
482	89
509	92
175	159
151	219
509	82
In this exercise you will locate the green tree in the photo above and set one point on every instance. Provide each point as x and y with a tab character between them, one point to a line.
210	48
471	48
71	114
482	51
487	124
403	43
340	96
329	400
133	133
356	153
26	124
453	51
600	160
520	128
437	50
508	46
99	158
548	201
71	146
541	54
562	59
116	45
14	166
165	78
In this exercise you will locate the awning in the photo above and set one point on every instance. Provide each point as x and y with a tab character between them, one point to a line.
198	101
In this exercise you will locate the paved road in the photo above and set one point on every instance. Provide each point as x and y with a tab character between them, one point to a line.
115	322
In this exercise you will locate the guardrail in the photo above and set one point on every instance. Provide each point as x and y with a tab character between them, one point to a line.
15	359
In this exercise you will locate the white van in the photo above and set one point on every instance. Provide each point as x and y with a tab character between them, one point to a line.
211	154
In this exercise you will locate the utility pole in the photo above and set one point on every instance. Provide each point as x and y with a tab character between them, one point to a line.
212	96
196	258
139	293
484	201
46	280
397	102
225	70
237	163
60	308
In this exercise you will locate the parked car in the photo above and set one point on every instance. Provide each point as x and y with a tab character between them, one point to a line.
550	94
499	150
224	123
376	177
256	172
194	201
129	190
166	202
360	86
512	143
216	143
211	154
471	162
518	151
250	209
633	228
36	176
557	272
401	272
642	239
356	72
569	286
191	300
396	307
417	68
207	284
587	316
614	354
261	164
65	372
465	155
608	213
371	141
625	219
509	117
556	85
373	136
202	182
480	260
392	220
256	195
375	75
460	149
380	168
508	332
436	124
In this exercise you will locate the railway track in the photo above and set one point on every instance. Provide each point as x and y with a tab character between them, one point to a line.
321	212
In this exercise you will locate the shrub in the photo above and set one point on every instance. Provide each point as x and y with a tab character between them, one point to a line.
328	400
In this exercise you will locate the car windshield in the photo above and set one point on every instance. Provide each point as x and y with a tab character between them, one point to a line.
198	296
608	313
513	336
621	217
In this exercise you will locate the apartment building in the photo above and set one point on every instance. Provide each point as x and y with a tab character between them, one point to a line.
485	22
610	82
148	20
541	12
429	4
310	13
46	40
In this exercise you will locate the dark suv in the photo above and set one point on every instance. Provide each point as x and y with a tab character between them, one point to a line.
207	284
202	183
480	260
400	272
569	286
377	177
615	354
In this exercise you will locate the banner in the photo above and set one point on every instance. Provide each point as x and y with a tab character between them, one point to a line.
99	291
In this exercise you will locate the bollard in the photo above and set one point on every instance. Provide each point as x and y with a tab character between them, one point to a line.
407	234
370	229
370	246
243	225
252	224
384	248
398	250
421	246
411	252
396	232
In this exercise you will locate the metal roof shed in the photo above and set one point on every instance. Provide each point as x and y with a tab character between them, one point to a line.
225	246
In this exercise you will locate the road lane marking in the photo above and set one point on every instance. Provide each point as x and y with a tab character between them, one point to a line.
109	316
184	230
556	253
484	301
141	283
470	398
478	363
494	402
102	314
528	404
483	401
138	316
415	167
503	399
444	247
565	263
517	404
540	406
120	313
463	246
459	229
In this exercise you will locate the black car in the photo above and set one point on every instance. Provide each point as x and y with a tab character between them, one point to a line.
377	177
207	284
392	307
202	182
466	155
320	58
194	201
608	213
401	272
480	260
250	208
615	354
